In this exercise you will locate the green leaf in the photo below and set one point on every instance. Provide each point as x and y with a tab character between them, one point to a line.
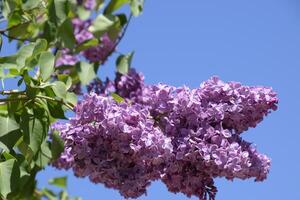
136	6
8	141
83	13
66	34
8	62
72	98
35	132
101	25
56	110
61	10
40	46
23	54
59	182
117	98
43	158
114	5
63	195
57	145
7	125
9	176
49	194
87	44
25	150
124	63
8	156
60	89
46	63
85	72
30	4
20	30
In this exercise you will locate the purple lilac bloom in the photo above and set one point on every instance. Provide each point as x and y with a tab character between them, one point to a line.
129	85
81	30
199	132
205	128
114	144
101	88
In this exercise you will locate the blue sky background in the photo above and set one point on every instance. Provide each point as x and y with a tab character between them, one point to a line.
255	42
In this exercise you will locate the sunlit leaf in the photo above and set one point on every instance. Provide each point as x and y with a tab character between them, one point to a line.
124	63
59	182
86	72
9	176
101	25
57	145
114	5
117	98
7	125
46	63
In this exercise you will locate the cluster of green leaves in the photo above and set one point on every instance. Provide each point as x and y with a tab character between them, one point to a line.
43	92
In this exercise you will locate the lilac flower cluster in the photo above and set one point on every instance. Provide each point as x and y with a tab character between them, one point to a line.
97	53
114	144
185	137
128	85
205	126
99	87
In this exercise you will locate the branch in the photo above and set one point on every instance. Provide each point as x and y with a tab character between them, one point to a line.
68	105
14	99
9	92
120	37
3	32
123	32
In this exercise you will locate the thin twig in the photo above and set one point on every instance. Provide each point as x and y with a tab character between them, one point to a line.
123	32
120	37
3	32
14	38
68	105
15	99
9	92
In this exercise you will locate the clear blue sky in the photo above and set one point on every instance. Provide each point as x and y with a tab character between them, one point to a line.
256	42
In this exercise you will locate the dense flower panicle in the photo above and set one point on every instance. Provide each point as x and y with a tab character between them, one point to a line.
199	129
244	106
115	144
205	125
